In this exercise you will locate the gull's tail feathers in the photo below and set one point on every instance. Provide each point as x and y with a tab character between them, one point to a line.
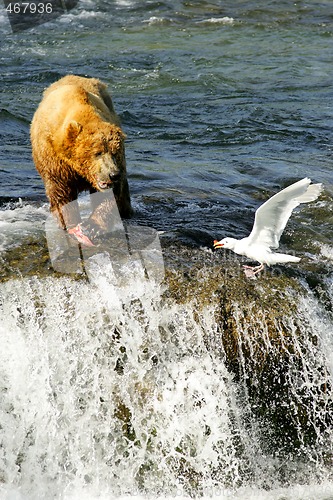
281	258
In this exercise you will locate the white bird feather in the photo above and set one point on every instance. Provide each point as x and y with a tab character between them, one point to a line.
269	223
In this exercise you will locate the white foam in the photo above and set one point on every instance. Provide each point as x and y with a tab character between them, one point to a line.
218	20
60	391
18	221
155	20
327	251
64	406
58	361
79	16
322	491
321	322
125	3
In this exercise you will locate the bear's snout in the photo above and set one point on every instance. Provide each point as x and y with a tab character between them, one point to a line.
109	172
106	179
114	177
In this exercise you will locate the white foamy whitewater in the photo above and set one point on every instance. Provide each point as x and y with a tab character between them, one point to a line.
269	223
110	391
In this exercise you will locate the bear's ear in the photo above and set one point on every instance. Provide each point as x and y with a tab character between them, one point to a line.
72	131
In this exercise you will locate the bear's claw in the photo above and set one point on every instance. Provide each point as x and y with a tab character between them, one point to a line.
78	234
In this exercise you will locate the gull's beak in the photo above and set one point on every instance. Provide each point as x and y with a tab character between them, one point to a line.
218	244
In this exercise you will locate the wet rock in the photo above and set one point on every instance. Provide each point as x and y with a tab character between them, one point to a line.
266	338
263	334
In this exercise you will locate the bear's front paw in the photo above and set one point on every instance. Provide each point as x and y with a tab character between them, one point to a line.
78	233
92	229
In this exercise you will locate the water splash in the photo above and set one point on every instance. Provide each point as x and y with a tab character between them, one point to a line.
111	391
93	386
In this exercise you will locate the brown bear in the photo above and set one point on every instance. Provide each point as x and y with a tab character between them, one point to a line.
78	145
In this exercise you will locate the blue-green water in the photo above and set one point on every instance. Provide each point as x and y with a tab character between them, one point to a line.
223	104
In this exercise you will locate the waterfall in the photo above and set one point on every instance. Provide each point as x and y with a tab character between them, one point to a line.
111	391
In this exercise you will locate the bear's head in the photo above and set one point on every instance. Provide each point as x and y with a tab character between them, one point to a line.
95	152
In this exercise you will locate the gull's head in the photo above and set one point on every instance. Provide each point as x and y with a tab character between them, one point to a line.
228	243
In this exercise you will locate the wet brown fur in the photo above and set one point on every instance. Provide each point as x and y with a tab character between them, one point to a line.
73	127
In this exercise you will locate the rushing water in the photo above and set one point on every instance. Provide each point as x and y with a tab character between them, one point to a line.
120	391
129	394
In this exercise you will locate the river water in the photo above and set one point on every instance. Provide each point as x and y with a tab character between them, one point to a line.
111	392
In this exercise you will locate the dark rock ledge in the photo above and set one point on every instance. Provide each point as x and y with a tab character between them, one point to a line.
264	334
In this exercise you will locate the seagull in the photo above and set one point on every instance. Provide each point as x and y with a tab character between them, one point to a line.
269	223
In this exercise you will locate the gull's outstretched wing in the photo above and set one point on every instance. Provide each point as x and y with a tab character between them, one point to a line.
271	217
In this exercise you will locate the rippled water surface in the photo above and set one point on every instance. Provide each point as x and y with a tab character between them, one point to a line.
224	104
